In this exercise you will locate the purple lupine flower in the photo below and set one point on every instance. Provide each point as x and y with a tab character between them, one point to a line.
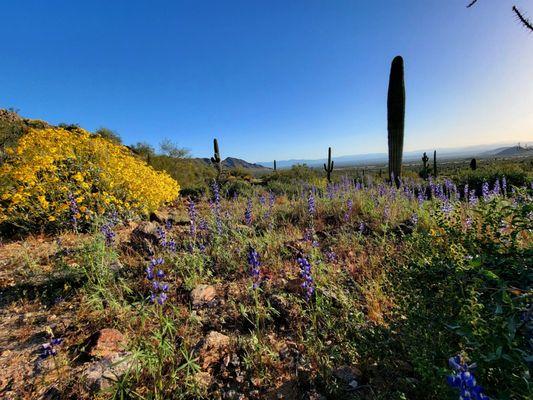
414	219
215	206
203	225
168	224
154	262
420	198
349	206
305	273
466	192
463	379
308	235
109	235
248	212
255	267
74	210
311	206
271	201
262	199
468	222
496	188
504	186
161	236
485	191
331	256
446	207
50	348
362	227
472	199
330	189
159	289
191	210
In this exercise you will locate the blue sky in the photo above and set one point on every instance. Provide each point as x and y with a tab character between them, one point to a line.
271	79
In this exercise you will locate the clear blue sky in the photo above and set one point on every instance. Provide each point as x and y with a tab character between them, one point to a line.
271	79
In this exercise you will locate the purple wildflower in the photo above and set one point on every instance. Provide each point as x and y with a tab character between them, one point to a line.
74	210
191	209
255	267
485	192
504	186
50	348
349	206
311	206
107	231
159	289
248	212
305	274
463	379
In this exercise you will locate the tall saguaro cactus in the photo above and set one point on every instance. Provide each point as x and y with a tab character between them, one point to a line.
396	118
435	163
216	160
275	166
329	167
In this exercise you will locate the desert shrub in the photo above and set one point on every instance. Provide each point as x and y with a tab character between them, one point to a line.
190	173
55	175
513	173
237	187
106	133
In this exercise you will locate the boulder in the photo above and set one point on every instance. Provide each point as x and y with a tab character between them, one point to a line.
212	349
103	374
203	295
106	343
144	236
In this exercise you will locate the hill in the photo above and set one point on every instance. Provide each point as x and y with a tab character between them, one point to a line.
232	162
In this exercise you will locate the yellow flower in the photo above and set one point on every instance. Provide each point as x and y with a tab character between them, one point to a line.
42	163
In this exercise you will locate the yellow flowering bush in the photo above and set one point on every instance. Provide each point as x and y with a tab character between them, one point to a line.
50	167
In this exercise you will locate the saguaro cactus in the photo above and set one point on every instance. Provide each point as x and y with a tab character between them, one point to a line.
473	164
329	168
435	163
216	160
396	118
275	166
425	160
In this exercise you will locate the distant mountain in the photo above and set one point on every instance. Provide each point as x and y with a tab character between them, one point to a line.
494	150
232	162
512	151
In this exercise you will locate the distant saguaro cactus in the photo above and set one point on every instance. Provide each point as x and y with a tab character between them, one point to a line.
216	160
473	164
275	166
396	118
329	167
435	163
425	160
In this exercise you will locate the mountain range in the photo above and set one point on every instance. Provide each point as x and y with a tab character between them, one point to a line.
481	151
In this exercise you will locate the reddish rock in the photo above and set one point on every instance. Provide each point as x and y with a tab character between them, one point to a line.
106	343
203	295
213	348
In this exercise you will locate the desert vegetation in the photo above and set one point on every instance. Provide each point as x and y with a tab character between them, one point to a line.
131	274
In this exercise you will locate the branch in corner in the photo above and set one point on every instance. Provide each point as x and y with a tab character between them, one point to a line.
521	18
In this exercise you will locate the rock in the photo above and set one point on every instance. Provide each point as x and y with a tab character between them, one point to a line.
348	376
161	216
144	236
203	379
203	295
212	348
106	343
103	374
